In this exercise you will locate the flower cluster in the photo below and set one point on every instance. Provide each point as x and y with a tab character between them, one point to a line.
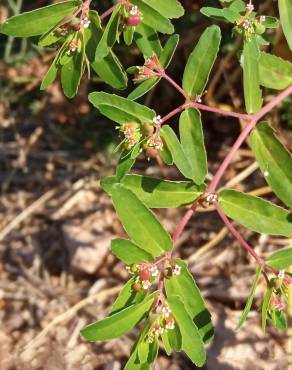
131	15
132	134
280	291
151	68
165	321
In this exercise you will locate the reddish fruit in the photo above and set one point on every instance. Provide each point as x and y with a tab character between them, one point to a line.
76	27
137	287
133	20
145	275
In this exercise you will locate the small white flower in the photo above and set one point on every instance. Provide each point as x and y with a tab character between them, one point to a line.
266	173
146	284
170	325
176	270
281	274
246	24
134	10
157	120
154	271
262	18
199	100
166	311
250	7
211	198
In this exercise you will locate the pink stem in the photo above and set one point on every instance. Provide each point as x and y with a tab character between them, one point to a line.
221	111
236	234
181	226
174	112
107	13
241	138
174	84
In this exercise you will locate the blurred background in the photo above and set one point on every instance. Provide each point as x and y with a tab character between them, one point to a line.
56	270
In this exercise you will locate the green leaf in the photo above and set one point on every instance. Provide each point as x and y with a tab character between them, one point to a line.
255	213
128	35
279	320
274	160
124	166
147	40
186	288
72	71
270	22
176	150
275	72
127	297
281	259
139	222
285	9
250	298
121	110
175	339
192	142
166	155
238	6
128	252
221	14
52	72
119	323
251	80
265	306
157	193
168	51
143	88
169	8
165	341
37	22
153	18
201	61
192	343
110	35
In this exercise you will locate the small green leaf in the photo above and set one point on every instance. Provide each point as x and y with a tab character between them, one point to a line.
147	41
165	341
109	36
127	297
128	252
185	286
192	142
157	193
275	161
72	71
250	298
153	18
225	14
275	72
124	166
37	22
168	51
201	61
281	259
176	150
128	35
285	9
166	155
143	88
255	213
251	79
279	320
265	306
169	8
139	222
270	22
175	338
238	6
121	110
118	324
192	343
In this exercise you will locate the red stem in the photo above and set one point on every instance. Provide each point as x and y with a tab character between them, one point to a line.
222	112
237	236
175	111
107	13
174	84
181	226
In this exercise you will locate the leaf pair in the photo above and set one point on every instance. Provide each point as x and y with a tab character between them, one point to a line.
189	154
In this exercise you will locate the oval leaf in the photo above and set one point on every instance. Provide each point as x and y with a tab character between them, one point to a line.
275	161
120	109
128	252
185	286
285	9
139	222
192	343
281	259
255	213
192	142
157	193
37	22
201	61
118	324
275	72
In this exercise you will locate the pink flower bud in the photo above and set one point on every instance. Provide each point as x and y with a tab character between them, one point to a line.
133	20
